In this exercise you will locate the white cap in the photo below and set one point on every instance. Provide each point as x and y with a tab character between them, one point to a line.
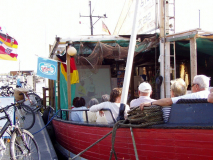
145	87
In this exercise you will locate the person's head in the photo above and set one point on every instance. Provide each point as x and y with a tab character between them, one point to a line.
178	87
115	95
144	89
105	98
200	83
92	102
78	102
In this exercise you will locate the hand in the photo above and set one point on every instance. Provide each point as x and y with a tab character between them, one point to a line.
101	113
142	105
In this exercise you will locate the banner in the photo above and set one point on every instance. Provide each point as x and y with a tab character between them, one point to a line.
47	68
8	46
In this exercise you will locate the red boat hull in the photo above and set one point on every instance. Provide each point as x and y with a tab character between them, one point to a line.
151	143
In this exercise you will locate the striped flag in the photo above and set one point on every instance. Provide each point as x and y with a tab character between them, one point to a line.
73	70
105	28
8	46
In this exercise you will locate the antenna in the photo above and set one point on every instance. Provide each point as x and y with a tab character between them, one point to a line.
91	16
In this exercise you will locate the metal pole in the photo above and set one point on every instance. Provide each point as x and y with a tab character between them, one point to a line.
199	18
91	25
129	65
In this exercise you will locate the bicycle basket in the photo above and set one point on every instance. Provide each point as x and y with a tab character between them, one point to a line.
17	91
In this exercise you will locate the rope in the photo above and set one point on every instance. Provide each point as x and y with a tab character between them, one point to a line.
48	122
149	116
201	100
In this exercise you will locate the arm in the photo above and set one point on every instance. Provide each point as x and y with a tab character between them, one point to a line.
97	107
160	102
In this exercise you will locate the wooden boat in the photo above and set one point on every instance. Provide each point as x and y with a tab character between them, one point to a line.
188	134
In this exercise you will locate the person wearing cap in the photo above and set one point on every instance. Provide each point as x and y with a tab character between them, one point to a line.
144	92
200	89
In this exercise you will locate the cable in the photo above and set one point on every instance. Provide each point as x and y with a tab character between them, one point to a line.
48	122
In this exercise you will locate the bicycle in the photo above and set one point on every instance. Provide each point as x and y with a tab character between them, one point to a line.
22	142
33	101
24	114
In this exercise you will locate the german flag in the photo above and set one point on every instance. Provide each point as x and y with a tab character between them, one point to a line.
73	71
8	47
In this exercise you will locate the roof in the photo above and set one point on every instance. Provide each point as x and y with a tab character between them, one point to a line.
60	44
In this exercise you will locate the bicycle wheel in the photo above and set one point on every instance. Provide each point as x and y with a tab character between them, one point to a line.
25	115
10	91
24	149
33	101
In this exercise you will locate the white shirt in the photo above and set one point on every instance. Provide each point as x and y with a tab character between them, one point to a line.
114	107
91	116
141	99
196	95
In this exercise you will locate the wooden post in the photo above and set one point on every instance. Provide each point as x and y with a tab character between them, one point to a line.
50	92
44	97
58	81
167	70
68	81
193	58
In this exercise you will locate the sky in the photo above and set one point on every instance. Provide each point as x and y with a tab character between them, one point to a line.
36	23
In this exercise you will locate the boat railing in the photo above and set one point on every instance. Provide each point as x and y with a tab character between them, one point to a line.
85	110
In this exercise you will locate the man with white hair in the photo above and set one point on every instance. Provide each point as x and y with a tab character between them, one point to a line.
144	92
200	89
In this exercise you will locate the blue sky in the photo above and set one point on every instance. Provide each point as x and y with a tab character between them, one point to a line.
35	24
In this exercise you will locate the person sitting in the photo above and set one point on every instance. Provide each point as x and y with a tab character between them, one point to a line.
104	98
199	90
144	92
94	116
113	105
91	115
178	88
79	104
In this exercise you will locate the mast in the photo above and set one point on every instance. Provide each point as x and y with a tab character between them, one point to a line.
128	65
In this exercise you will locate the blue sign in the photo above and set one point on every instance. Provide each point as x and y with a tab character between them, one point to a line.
47	68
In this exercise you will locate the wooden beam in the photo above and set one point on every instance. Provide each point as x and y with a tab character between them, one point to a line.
58	81
68	81
193	58
167	69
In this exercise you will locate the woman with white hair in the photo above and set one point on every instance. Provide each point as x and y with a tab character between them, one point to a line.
178	87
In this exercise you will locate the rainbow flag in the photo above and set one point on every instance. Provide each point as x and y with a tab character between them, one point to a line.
8	47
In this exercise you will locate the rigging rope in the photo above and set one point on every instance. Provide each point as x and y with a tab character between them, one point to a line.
149	116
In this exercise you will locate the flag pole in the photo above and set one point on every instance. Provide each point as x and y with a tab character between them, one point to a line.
68	80
129	63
